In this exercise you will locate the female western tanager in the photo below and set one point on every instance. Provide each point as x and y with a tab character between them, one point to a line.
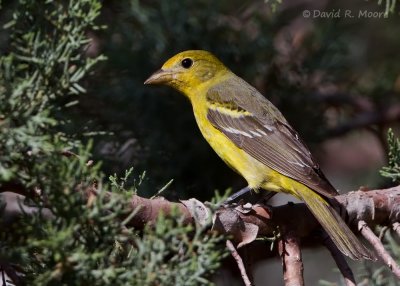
251	135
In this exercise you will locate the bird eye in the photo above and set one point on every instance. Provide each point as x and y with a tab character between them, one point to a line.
187	63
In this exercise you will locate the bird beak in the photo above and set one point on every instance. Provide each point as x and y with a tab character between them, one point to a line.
159	77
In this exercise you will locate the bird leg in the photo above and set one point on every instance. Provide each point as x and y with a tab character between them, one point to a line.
237	195
247	194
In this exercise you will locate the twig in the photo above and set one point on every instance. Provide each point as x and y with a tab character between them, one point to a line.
248	260
162	189
289	250
3	276
396	228
341	262
68	153
367	118
382	232
239	262
11	273
378	246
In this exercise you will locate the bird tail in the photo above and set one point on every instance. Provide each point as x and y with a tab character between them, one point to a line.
339	232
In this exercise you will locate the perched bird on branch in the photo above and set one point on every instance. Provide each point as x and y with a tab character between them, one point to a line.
251	135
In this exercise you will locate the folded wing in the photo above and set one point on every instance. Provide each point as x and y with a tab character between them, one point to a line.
255	125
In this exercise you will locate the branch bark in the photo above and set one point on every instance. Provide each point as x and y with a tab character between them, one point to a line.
378	246
239	261
244	223
375	207
292	264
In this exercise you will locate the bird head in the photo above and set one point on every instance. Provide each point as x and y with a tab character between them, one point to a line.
187	71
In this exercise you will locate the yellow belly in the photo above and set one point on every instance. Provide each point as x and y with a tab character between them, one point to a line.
255	173
236	158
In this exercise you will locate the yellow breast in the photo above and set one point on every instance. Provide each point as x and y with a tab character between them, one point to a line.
252	170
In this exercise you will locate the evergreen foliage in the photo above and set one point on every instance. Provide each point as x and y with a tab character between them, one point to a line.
392	171
56	236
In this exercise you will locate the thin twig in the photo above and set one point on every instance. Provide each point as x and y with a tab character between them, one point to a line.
382	232
9	271
341	262
248	260
367	118
162	189
239	262
3	276
289	250
378	246
68	153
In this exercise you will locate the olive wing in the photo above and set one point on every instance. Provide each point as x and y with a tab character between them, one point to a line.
255	125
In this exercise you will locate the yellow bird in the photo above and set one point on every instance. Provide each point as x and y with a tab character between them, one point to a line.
251	135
